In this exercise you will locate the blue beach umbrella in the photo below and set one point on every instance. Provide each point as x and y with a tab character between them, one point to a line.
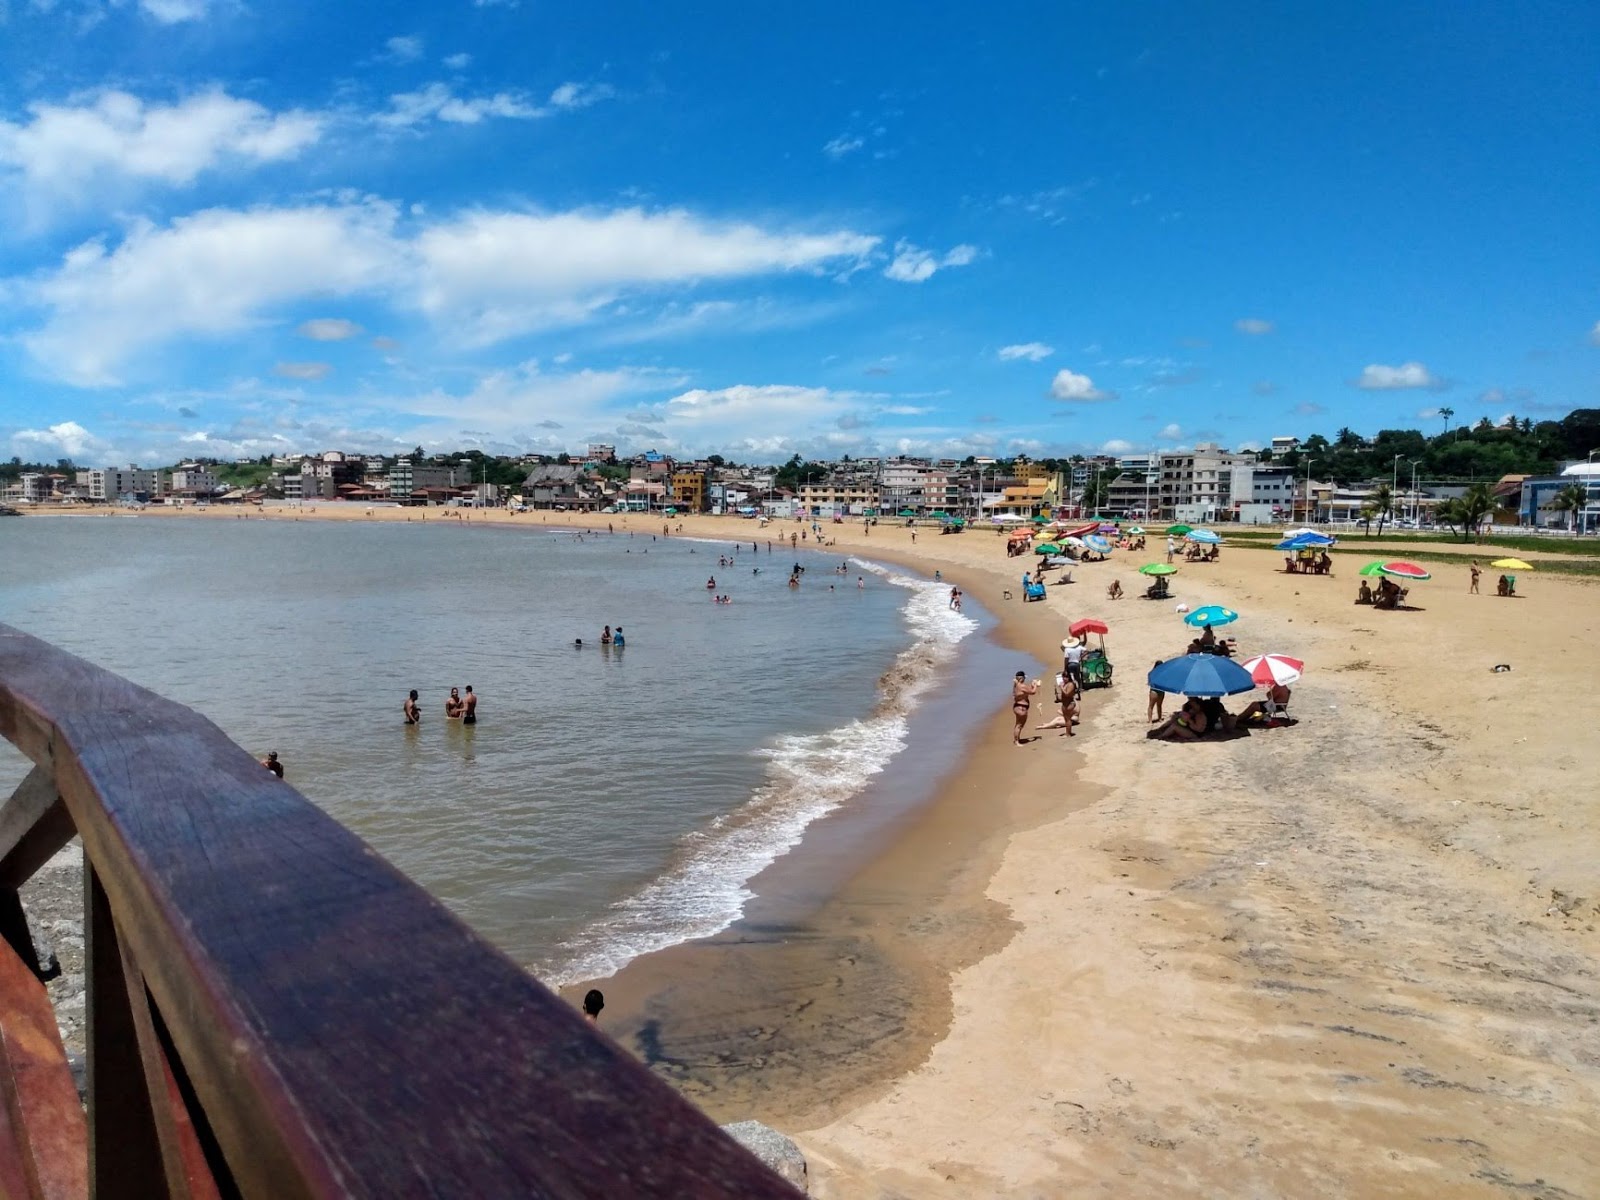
1206	537
1097	543
1211	614
1305	541
1201	675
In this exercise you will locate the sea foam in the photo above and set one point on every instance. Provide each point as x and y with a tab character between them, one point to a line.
807	777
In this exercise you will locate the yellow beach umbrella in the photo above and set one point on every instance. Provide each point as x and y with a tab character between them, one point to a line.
1511	564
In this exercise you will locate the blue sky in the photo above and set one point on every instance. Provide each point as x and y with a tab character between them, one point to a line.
229	228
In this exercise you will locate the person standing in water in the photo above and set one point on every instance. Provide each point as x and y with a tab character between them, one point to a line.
412	712
616	638
469	710
605	636
453	706
271	763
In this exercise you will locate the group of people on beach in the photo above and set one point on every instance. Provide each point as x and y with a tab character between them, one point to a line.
1068	693
456	707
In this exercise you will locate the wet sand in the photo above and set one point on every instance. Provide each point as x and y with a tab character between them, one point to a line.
1353	957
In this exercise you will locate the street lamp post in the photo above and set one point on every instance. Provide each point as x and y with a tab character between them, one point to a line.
1309	461
1415	519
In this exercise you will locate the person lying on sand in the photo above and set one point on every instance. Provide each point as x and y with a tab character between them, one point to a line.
1188	724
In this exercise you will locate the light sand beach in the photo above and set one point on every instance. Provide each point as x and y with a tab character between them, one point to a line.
1355	957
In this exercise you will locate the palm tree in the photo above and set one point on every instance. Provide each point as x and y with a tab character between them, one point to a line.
1383	504
1474	507
1447	412
1368	511
1570	500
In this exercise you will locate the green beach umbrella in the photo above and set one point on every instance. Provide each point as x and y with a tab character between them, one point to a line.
1372	570
1046	548
1158	569
906	512
1041	520
1135	529
1179	530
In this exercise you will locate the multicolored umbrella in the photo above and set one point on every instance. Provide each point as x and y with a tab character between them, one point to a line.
1201	675
1405	570
1372	570
1179	530
1097	543
1088	625
1269	669
1210	614
1206	537
1511	564
1158	569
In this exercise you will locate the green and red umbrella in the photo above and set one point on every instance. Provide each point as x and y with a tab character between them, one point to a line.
1405	570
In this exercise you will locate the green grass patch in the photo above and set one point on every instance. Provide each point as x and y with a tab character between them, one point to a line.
1583	547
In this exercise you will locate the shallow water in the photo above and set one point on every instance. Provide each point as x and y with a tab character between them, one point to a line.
610	801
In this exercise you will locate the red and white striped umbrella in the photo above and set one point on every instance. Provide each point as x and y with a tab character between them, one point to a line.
1268	669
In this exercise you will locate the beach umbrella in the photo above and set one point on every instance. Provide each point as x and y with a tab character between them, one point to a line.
1201	675
1046	548
1179	530
1097	543
1405	570
906	512
1088	625
1134	529
1211	614
1205	537
1041	520
1158	569
1511	564
1076	542
1006	519
1268	669
1303	530
1372	570
1305	541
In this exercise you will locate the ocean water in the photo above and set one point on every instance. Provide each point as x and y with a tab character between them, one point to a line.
610	801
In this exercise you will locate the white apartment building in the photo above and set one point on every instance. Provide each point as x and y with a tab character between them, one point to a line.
92	483
1284	445
191	477
840	496
1200	481
902	482
30	488
116	482
1137	487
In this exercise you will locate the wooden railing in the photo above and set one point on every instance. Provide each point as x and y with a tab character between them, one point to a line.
273	1009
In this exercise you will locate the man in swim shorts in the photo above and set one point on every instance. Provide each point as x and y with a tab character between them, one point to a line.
469	712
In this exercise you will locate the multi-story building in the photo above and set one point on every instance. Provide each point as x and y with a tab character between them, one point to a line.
406	477
1284	445
1198	484
1136	490
30	488
192	477
840	495
92	483
130	481
600	452
902	483
688	491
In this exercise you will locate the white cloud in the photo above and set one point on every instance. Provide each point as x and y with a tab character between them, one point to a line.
492	274
329	329
1117	446
1032	351
1069	385
1170	433
303	370
1594	335
171	12
404	49
458	62
209	274
66	440
63	148
1377	377
482	276
842	145
1427	414
912	264
580	95
1254	326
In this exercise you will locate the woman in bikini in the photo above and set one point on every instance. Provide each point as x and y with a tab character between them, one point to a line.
1188	724
1021	700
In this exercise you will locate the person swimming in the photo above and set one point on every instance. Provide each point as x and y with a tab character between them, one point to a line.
616	638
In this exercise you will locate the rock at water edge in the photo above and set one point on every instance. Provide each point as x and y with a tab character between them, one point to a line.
773	1148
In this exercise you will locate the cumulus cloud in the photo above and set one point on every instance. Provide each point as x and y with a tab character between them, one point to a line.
1254	326
1032	351
66	440
1377	377
841	146
458	62
62	149
404	48
1070	386
329	329
438	101
481	276
1117	446
1170	433
912	264
580	95
303	370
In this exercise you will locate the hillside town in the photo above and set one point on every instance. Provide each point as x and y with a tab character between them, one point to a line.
1277	483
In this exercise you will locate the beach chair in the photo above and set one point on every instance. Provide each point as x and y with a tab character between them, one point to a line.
1157	590
1031	590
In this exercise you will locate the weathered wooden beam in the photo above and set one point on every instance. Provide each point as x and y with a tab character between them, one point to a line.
43	1139
344	1034
125	1160
34	824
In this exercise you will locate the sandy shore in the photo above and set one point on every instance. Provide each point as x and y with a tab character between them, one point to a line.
1354	957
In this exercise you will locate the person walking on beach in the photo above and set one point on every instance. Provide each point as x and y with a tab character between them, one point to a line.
1172	547
453	706
1021	700
469	709
412	712
271	763
1072	658
1152	708
1476	573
